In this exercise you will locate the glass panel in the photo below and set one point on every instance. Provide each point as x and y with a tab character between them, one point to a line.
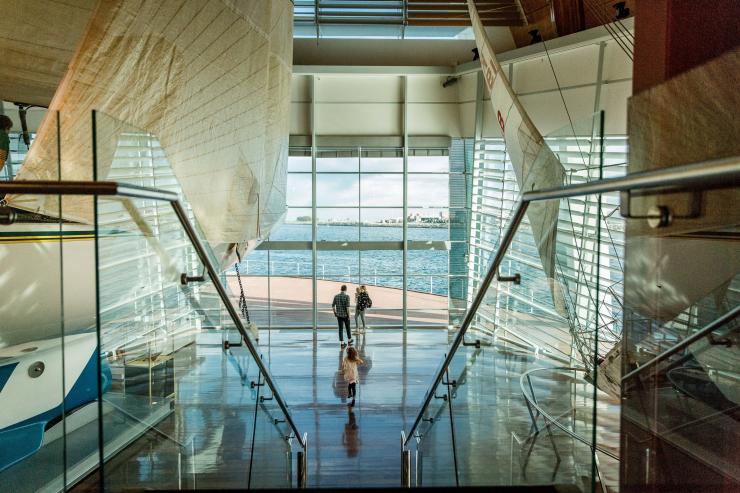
298	192
338	265
339	160
386	293
435	218
291	292
542	323
381	224
253	271
337	224
435	455
337	190
433	263
381	189
297	226
300	163
516	338
48	346
428	190
380	262
680	399
271	459
429	164
290	263
181	403
381	160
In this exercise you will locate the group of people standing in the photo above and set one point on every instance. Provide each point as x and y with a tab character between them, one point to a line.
352	359
340	306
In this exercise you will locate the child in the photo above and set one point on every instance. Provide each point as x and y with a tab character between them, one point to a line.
349	370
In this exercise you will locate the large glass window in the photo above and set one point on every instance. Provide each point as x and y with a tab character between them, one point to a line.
359	222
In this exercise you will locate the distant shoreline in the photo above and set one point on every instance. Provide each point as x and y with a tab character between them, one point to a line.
375	225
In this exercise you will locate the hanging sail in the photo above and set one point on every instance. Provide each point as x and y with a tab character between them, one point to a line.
535	165
210	79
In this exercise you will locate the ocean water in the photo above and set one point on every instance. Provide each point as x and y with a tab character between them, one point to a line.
427	269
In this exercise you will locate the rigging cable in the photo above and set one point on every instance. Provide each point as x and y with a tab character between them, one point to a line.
583	160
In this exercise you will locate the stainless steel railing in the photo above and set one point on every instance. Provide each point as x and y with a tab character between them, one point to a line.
717	173
686	342
111	188
531	401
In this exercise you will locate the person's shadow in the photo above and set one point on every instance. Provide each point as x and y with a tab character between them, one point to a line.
351	435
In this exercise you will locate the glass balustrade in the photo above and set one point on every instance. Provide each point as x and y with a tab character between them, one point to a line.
48	342
479	428
491	418
680	360
113	354
575	372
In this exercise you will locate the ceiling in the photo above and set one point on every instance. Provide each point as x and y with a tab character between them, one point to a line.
405	14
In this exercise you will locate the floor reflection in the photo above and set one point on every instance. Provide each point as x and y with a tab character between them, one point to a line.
348	447
351	438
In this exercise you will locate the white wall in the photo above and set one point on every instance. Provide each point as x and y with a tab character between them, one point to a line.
364	101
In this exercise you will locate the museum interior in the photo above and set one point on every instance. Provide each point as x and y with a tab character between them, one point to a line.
332	244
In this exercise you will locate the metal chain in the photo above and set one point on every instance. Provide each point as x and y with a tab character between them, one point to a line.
242	298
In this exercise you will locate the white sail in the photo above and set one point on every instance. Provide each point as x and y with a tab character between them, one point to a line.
210	79
535	165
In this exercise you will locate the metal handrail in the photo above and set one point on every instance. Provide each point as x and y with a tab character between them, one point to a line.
533	402
724	172
112	188
706	330
721	173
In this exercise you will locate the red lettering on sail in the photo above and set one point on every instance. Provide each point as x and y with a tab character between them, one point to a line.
500	120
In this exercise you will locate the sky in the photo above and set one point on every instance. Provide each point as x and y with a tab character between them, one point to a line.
375	187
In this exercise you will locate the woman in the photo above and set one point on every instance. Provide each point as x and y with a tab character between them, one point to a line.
362	302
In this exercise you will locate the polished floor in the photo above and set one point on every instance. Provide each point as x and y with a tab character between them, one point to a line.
216	430
360	445
287	302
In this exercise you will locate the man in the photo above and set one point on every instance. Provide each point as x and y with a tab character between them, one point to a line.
340	305
5	125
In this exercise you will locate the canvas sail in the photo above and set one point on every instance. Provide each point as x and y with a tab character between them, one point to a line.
535	165
210	79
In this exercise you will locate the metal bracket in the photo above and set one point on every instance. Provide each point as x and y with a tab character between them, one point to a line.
722	341
443	397
263	398
185	279
252	384
276	420
453	383
658	216
431	420
476	343
516	278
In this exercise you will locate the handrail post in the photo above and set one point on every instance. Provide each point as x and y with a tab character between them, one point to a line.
302	475
405	463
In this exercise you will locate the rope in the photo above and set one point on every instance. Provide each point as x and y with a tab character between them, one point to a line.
242	298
